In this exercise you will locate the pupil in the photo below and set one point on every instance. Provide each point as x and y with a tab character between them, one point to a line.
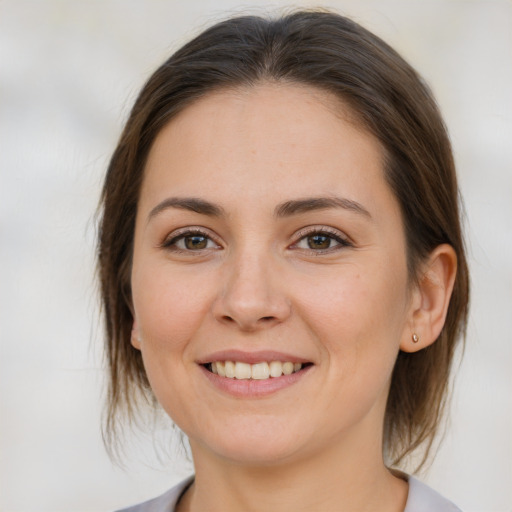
195	242
319	242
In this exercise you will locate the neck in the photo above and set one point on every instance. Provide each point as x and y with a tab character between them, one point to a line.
337	479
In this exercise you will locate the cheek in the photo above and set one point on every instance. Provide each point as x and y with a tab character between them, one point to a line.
357	321
168	308
357	315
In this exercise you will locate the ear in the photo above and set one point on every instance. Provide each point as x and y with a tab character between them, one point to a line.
135	337
430	299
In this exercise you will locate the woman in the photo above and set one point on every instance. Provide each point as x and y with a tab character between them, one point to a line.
282	266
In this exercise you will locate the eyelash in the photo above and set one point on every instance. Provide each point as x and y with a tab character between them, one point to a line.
171	243
331	234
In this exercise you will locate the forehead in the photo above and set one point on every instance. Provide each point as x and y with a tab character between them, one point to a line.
264	141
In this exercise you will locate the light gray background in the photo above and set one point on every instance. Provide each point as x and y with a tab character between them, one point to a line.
69	71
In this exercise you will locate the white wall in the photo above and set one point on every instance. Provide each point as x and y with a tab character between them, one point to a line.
68	74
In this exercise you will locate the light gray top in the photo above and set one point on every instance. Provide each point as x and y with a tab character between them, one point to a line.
421	498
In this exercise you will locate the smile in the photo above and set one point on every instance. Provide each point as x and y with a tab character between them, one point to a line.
259	371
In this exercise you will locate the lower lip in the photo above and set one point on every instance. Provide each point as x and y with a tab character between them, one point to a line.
253	388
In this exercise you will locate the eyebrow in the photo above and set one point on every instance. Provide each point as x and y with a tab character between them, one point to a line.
286	209
192	204
309	204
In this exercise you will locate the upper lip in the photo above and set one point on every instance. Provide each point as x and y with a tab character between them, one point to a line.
259	356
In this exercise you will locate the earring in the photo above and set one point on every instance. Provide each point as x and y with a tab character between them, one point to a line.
415	338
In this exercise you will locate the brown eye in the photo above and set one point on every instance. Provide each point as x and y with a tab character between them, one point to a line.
319	241
195	242
322	240
190	241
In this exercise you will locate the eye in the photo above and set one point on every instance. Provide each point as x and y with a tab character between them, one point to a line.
190	240
321	240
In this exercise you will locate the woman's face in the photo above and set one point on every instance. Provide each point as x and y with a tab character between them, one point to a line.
266	234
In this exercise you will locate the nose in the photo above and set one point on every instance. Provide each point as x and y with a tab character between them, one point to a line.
253	295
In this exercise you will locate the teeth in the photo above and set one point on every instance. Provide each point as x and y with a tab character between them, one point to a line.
220	368
287	368
276	369
242	371
229	367
259	371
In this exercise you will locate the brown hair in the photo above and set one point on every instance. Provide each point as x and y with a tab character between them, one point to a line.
330	52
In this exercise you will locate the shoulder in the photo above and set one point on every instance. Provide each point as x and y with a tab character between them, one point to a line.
424	499
164	503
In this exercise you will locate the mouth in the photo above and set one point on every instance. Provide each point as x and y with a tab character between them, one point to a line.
263	370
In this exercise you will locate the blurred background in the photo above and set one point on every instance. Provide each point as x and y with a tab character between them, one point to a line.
69	72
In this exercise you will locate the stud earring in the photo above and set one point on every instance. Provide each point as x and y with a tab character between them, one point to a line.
415	338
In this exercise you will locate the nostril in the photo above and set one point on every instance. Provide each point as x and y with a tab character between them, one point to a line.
264	321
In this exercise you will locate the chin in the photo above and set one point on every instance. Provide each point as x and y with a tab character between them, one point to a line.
255	446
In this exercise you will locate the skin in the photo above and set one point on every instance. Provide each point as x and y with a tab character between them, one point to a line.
256	283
